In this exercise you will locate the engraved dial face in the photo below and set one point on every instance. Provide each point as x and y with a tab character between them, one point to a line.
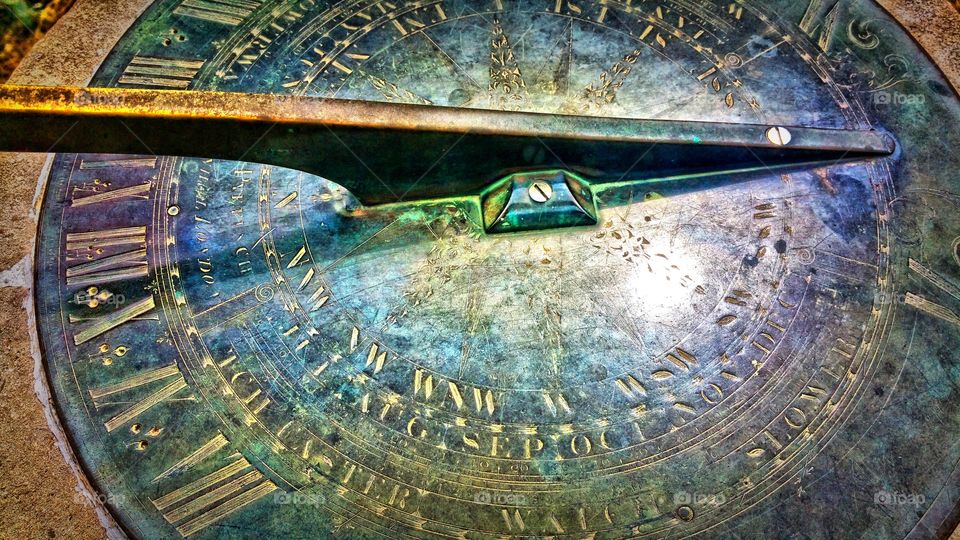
239	350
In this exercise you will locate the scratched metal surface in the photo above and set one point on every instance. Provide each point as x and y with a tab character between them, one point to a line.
240	351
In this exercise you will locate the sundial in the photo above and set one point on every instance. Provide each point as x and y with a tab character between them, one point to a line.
490	268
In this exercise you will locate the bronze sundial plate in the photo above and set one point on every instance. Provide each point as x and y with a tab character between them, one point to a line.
239	350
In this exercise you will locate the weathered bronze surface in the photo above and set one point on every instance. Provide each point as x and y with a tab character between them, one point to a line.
240	350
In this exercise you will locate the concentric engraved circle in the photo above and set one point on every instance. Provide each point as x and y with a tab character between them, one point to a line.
295	363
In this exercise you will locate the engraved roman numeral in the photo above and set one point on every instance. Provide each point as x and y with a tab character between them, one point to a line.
101	268
208	449
932	308
829	25
228	12
112	320
127	163
810	16
167	391
231	309
214	497
941	282
809	23
138	191
160	72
